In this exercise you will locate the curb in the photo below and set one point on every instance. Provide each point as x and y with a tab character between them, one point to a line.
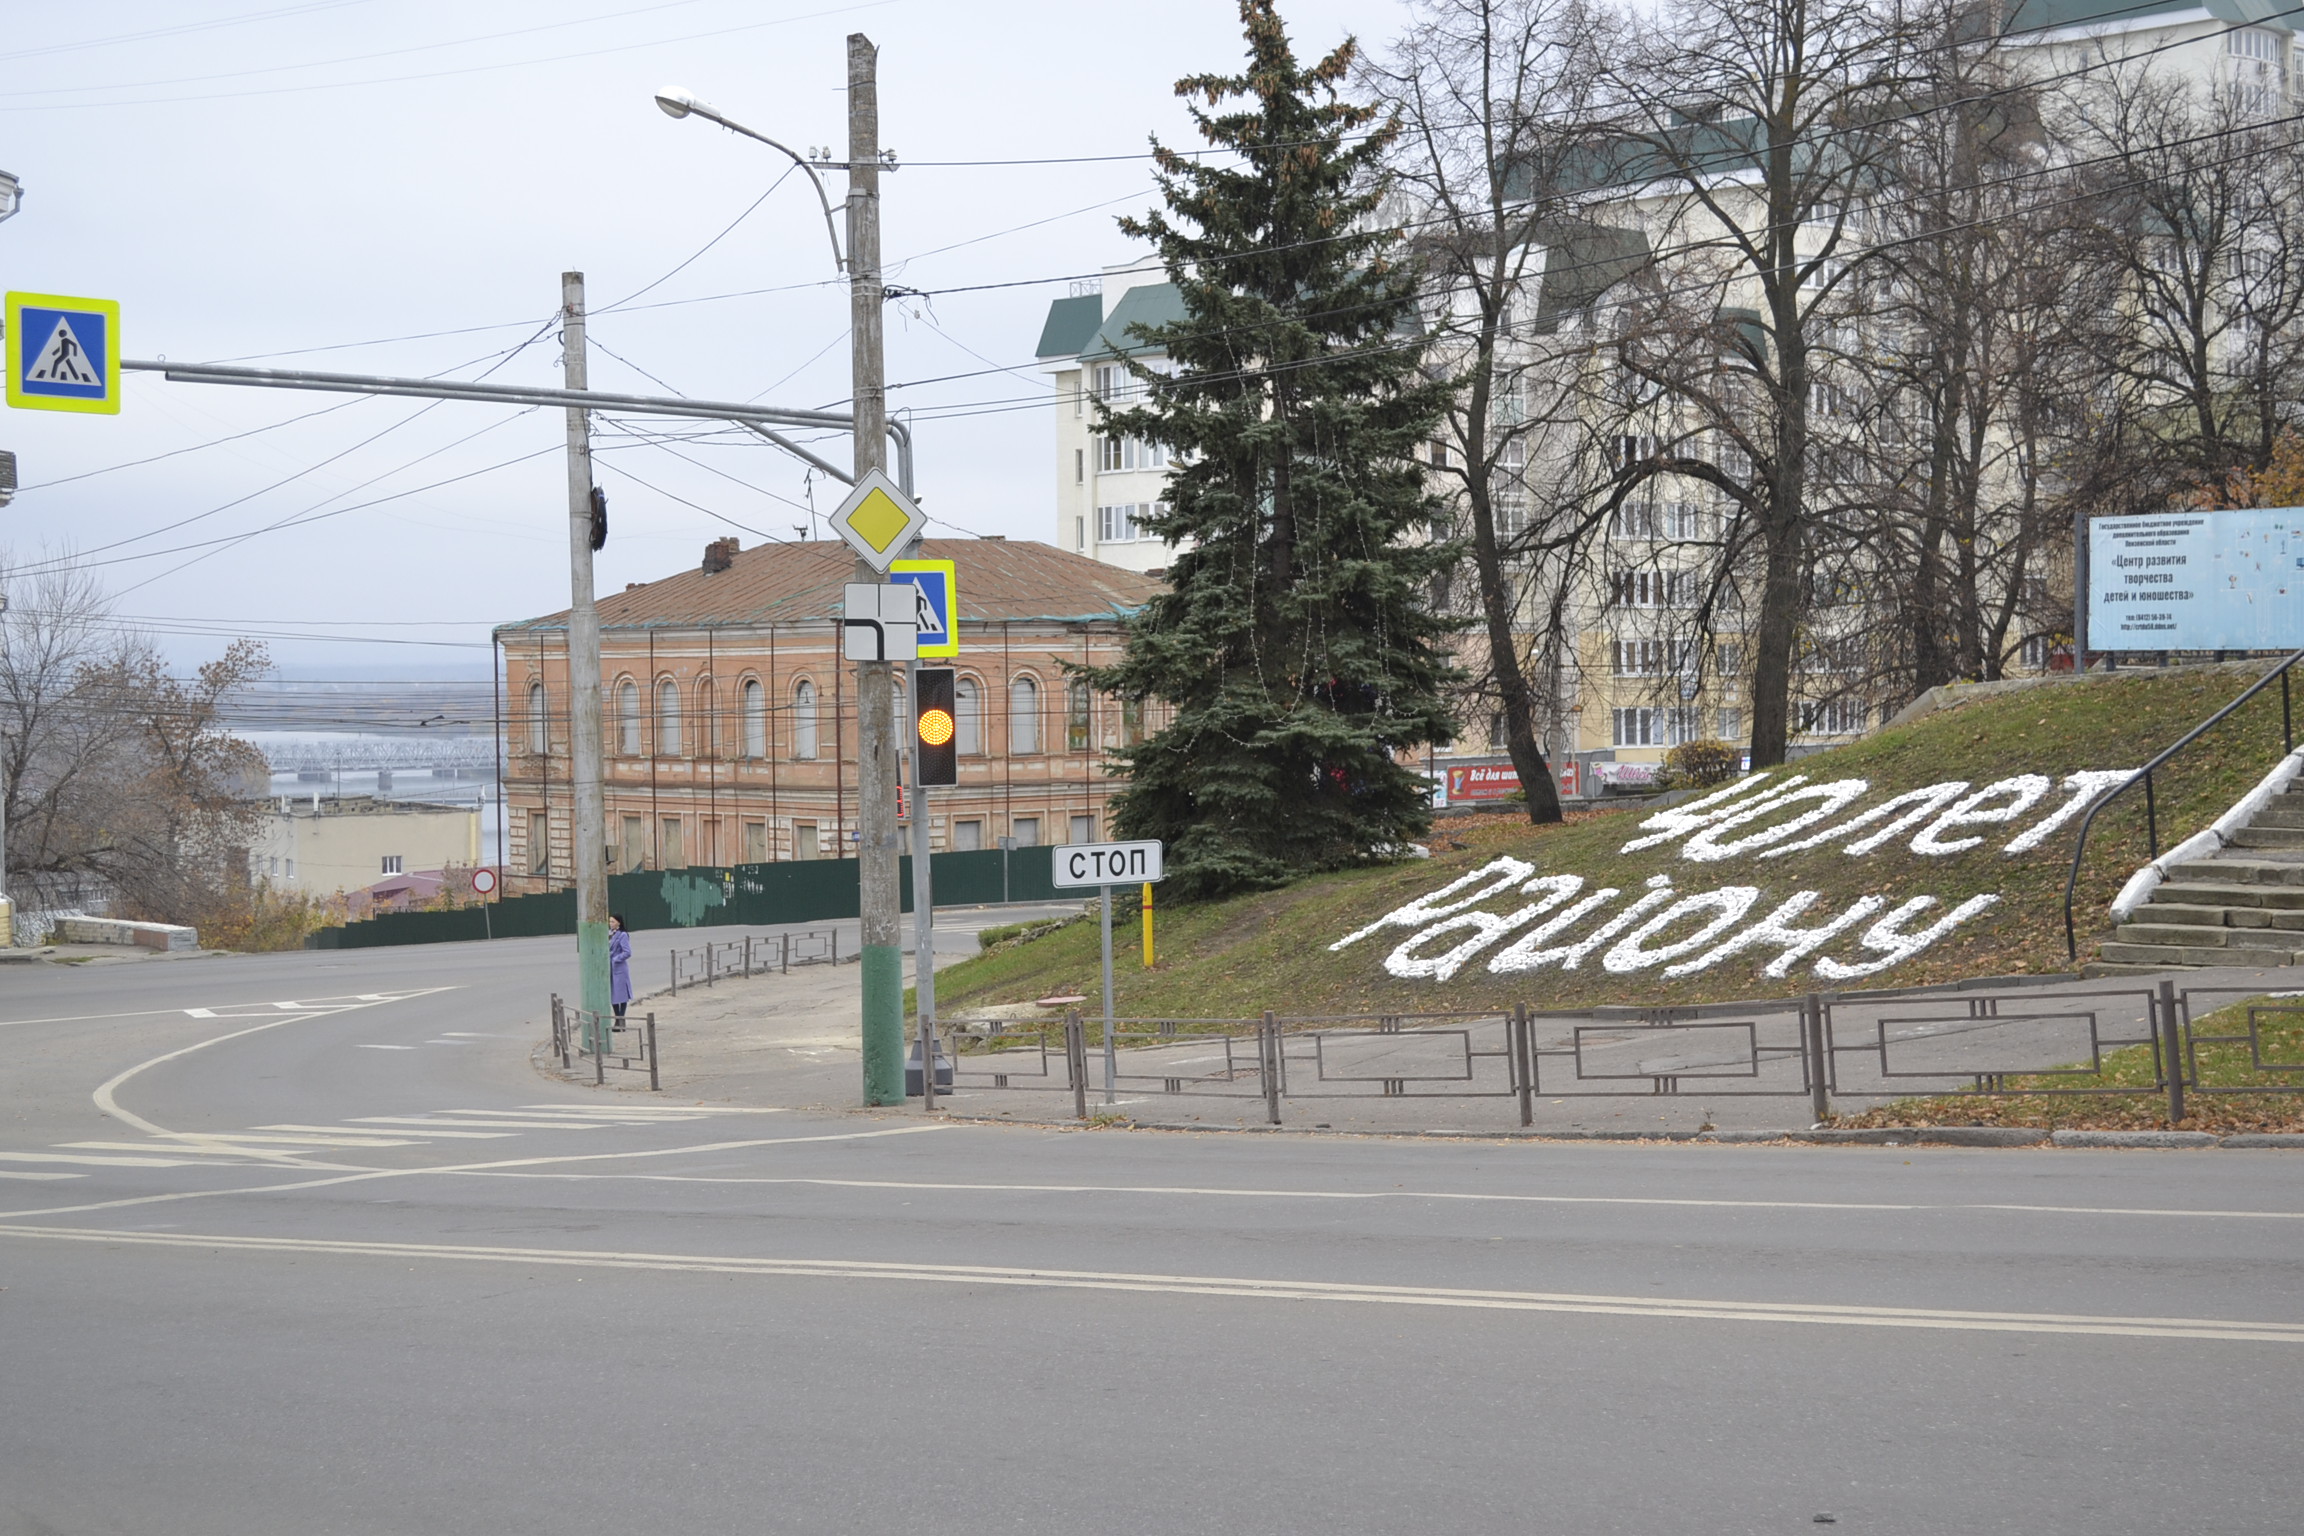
2174	1139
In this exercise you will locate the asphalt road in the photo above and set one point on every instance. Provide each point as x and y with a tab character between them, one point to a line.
303	1244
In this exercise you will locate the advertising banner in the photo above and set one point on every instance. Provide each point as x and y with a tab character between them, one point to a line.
2197	581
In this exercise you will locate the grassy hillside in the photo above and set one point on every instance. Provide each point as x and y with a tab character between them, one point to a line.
1245	955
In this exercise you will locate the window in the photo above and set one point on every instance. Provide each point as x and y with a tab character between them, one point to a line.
1116	525
1027	831
1636	448
1023	717
804	719
2034	652
1079	466
805	844
1683	725
968	704
392	863
755	842
1633	521
1650	658
1636	727
1083	829
1131	721
1731	725
1112	382
628	718
1510	511
1834	717
635	855
1439	455
539	843
1499	736
967	836
1681	520
1080	533
1076	717
539	720
1115	455
707	720
669	849
668	718
2259	58
1652	589
755	718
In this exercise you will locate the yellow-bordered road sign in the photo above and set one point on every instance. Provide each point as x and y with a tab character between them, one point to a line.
937	583
878	520
63	353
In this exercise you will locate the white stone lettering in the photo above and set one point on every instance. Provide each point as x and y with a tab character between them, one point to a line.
2086	786
1918	805
1706	848
2021	792
1775	931
1887	936
1728	906
1497	874
1484	928
1525	957
1679	820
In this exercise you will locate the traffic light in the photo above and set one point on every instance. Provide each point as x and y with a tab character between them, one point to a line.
935	725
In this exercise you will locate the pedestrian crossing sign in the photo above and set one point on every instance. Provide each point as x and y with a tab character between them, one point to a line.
937	590
63	354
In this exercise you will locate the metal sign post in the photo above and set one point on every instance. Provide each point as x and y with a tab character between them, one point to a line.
1099	865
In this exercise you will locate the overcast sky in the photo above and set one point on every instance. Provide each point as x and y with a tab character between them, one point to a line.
333	184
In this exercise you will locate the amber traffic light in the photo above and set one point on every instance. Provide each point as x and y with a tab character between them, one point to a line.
935	725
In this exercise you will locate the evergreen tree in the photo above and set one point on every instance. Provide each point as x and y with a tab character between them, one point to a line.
1296	641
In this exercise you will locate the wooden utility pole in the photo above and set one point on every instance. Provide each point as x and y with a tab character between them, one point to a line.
877	839
587	846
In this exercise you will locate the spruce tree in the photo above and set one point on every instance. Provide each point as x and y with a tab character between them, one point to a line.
1296	642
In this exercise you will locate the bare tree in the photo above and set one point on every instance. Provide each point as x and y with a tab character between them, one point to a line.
1495	99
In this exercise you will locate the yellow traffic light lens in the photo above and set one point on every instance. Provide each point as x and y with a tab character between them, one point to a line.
936	727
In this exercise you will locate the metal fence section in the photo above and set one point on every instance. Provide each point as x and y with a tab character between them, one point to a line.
1865	1047
579	1034
749	956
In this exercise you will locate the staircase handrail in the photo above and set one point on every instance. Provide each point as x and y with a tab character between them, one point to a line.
2143	776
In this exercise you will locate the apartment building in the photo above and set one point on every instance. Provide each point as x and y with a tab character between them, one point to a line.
730	718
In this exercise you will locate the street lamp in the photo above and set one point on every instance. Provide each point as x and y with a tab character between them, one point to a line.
679	103
11	196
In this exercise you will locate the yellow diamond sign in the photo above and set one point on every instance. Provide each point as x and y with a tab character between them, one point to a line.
878	521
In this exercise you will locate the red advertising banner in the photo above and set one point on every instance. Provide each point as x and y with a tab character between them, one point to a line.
1482	781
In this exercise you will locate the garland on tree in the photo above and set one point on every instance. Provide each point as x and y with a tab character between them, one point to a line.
1295	642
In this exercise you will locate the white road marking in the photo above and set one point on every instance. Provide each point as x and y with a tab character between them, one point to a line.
126	1161
365	1046
681	1110
253	1139
91	1018
431	1127
27	1174
262	1155
1820	1314
516	1125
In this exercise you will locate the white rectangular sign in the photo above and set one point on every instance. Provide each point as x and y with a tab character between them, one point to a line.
2197	581
879	622
1106	863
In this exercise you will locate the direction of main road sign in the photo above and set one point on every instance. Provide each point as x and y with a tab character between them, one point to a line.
938	584
63	354
876	621
878	520
1106	863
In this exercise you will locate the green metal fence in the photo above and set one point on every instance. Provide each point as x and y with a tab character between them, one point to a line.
749	894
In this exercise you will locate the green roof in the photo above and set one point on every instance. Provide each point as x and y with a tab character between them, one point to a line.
1071	325
2054	15
1153	305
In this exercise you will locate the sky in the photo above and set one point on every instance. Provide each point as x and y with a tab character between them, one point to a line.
395	187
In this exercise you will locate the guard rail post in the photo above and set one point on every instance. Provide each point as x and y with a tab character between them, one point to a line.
1812	1047
654	1086
599	1054
2172	1055
747	957
784	953
1523	1062
1076	1062
675	973
708	962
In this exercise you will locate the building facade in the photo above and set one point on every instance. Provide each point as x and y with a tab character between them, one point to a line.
328	846
730	719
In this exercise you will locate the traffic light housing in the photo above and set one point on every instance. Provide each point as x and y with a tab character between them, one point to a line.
935	726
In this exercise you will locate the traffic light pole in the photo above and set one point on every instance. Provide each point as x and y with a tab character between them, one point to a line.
877	838
923	929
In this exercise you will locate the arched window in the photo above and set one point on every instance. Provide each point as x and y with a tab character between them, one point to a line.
628	718
707	721
804	719
1023	717
668	718
755	719
1076	716
968	704
539	720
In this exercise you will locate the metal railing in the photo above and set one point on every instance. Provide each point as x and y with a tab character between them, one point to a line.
2032	1042
578	1033
748	957
2144	774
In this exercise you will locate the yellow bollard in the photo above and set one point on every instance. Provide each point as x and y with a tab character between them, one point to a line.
1147	925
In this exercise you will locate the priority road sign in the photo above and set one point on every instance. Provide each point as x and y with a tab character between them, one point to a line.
878	521
876	622
937	583
63	353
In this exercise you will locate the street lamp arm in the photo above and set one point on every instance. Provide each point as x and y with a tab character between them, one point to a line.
831	229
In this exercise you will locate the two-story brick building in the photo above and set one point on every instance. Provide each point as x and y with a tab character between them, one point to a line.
730	720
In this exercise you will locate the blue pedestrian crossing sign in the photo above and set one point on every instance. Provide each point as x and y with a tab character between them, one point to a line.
937	589
63	354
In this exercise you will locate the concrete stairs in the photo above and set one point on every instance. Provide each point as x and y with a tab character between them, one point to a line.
2244	906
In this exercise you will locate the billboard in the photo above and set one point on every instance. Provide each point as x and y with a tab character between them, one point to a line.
2197	581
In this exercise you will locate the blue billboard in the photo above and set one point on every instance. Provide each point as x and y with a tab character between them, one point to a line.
2197	581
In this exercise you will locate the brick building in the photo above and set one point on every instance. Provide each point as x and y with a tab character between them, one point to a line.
731	720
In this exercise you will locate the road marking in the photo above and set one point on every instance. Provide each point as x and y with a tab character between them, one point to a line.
128	1161
1818	1314
28	1174
252	1139
90	1018
431	1128
1399	1194
365	1046
181	1148
516	1125
341	1174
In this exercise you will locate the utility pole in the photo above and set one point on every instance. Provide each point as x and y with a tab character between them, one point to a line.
587	847
877	840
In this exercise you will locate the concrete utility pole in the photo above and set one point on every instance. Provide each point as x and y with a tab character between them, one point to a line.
877	841
587	838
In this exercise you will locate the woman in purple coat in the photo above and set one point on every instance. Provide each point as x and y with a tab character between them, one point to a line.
619	965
